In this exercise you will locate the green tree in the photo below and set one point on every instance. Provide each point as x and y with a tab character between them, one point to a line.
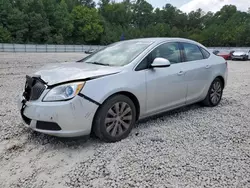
38	25
4	35
87	25
117	13
5	9
71	4
62	26
174	17
195	20
79	21
157	30
17	25
88	3
142	13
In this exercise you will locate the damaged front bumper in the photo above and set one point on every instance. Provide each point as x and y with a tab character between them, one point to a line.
63	119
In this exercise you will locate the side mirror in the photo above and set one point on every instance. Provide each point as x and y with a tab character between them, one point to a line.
160	63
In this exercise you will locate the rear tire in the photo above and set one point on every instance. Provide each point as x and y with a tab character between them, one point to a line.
214	94
115	118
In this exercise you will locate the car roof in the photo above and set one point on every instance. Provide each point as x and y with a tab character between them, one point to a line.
164	39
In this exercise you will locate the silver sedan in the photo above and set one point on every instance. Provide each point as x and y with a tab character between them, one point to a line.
109	90
242	55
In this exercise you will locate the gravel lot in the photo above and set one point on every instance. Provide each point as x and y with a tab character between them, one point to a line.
189	147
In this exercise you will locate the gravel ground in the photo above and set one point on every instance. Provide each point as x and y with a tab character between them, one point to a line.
189	147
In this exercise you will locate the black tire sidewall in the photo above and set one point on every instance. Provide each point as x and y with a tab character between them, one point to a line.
101	115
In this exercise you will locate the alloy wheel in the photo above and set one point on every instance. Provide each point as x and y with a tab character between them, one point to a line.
118	119
216	92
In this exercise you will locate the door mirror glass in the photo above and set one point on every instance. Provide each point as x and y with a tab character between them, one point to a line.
160	62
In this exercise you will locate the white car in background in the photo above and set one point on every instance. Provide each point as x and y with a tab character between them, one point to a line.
243	55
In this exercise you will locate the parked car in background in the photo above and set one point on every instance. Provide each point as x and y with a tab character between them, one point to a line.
225	54
90	51
215	52
109	90
242	55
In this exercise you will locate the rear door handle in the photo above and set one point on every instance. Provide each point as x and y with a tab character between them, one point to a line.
181	73
208	66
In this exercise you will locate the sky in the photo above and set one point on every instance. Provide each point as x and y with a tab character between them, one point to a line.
205	5
214	5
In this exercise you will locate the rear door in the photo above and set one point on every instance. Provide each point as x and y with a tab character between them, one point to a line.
198	71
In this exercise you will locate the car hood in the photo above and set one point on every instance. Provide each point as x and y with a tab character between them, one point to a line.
70	71
239	53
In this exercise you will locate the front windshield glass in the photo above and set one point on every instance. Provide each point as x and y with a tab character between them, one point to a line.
118	54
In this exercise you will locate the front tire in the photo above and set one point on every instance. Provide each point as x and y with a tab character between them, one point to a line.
214	94
115	118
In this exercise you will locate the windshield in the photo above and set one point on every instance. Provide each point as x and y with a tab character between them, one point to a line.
118	54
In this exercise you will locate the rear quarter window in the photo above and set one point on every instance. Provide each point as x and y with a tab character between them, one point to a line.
192	52
205	53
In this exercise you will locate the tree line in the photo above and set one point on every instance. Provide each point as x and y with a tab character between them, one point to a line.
84	22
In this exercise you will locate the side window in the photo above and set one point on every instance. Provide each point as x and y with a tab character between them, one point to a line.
205	53
192	52
143	64
168	51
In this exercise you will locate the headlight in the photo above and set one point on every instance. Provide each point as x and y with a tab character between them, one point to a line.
63	92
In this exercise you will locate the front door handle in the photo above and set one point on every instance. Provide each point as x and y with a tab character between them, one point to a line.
181	73
208	66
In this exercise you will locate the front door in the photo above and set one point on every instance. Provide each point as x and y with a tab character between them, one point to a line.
166	87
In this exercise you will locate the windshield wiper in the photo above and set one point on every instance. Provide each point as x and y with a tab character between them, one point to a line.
97	63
